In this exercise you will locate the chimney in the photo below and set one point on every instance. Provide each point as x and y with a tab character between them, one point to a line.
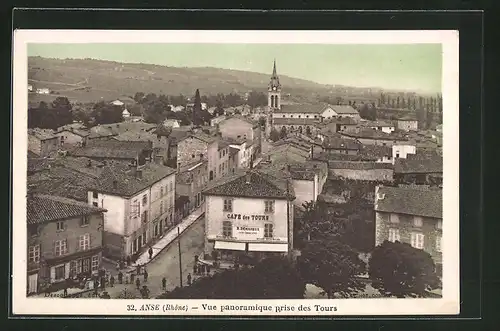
89	163
115	184
248	177
133	168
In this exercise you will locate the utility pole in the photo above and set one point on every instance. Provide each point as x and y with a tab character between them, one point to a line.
180	256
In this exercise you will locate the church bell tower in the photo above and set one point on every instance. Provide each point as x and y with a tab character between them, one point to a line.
274	91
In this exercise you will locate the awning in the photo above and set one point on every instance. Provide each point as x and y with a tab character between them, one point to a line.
229	245
268	247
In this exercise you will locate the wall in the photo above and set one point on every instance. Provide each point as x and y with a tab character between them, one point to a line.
49	145
69	138
214	216
234	127
222	162
305	191
365	174
188	147
34	144
213	157
161	206
341	151
378	142
406	226
408	125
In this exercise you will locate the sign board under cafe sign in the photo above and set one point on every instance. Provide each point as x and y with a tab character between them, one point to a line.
248	232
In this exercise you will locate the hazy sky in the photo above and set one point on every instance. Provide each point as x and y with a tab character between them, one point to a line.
396	66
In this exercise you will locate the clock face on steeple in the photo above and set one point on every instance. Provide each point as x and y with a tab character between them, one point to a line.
274	88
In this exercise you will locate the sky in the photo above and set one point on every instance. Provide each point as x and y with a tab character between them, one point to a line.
415	67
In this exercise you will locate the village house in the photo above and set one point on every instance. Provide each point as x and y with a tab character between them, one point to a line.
374	137
249	215
288	152
216	120
196	145
377	153
245	149
425	170
64	240
125	114
191	179
70	136
172	123
140	203
336	145
223	147
383	126
401	151
338	124
407	124
126	151
411	215
42	142
237	127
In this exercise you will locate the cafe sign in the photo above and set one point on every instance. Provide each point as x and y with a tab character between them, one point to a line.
247	217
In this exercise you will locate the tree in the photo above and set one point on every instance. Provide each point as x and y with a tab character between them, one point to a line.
62	108
197	115
429	120
104	113
368	113
397	102
138	97
333	266
421	117
136	110
256	99
399	270
155	112
274	135
271	278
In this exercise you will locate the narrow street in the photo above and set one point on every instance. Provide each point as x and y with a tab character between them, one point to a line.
166	264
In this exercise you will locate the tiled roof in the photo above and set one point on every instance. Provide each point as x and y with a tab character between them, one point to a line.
241	118
411	201
112	149
233	151
344	157
376	123
375	151
344	109
343	121
118	179
302	108
261	185
407	118
358	165
419	165
204	137
294	121
38	164
288	148
46	208
42	134
374	134
339	143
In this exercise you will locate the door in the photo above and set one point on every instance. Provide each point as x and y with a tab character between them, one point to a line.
33	283
139	242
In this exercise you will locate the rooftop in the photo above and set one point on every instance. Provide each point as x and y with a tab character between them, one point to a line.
340	143
411	201
252	184
42	134
344	109
374	134
375	151
43	208
302	108
334	164
367	123
430	164
112	150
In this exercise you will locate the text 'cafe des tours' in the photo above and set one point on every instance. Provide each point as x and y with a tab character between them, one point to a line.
248	214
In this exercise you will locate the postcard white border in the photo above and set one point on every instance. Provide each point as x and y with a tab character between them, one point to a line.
448	304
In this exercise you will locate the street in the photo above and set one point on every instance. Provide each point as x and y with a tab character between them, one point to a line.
166	264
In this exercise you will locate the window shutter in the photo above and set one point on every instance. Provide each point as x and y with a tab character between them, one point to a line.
90	240
52	274
66	270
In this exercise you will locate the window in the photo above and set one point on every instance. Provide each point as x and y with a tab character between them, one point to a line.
220	168
394	218
161	191
95	262
299	116
394	235
34	253
95	195
171	187
417	240
307	116
144	239
397	155
61	247
439	224
72	268
268	230
417	221
85	220
144	199
291	116
144	216
228	205
95	204
84	242
438	243
59	272
283	116
227	229
161	207
33	231
60	226
85	265
269	206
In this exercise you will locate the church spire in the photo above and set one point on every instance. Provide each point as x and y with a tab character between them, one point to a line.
274	70
274	84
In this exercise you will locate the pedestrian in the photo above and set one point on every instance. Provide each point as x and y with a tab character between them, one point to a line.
103	282
189	279
195	269
150	251
127	279
137	283
164	283
118	265
145	275
138	269
120	277
145	292
132	277
96	286
112	281
65	293
196	258
128	260
208	269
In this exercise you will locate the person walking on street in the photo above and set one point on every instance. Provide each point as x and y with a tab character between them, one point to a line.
127	279
150	251
120	277
112	281
195	269
164	284
145	275
189	279
138	269
65	293
208	269
138	283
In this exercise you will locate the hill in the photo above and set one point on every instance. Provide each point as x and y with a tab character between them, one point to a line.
85	80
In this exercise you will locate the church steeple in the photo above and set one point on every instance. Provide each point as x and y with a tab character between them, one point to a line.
274	90
274	84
